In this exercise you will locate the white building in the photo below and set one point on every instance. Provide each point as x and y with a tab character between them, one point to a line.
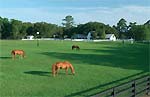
30	37
111	37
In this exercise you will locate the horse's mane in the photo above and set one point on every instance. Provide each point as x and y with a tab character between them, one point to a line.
71	67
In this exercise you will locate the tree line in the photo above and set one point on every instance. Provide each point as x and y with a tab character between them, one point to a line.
15	29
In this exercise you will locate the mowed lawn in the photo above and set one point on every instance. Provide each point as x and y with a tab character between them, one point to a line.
98	66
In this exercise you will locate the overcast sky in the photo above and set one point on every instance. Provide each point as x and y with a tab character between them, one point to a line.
83	11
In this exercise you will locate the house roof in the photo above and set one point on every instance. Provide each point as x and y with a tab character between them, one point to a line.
30	36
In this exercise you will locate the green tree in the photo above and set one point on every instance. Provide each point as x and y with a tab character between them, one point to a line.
16	26
141	32
5	28
68	23
97	29
102	35
131	33
147	32
45	29
122	28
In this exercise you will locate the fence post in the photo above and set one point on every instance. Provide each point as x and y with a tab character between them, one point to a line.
148	86
133	91
113	92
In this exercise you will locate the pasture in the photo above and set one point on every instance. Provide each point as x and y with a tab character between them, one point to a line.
97	66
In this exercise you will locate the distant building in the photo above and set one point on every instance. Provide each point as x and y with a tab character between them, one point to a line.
30	37
111	37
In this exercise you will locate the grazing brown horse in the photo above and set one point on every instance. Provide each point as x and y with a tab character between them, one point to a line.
17	52
75	46
62	65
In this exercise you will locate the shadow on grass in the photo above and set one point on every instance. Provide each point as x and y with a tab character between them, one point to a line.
40	73
5	57
134	58
84	93
43	73
126	60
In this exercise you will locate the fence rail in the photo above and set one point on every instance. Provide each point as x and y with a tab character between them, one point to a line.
132	88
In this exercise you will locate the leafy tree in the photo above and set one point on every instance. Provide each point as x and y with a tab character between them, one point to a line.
131	33
45	29
122	28
58	33
15	29
147	32
68	22
102	35
97	29
16	26
27	28
141	32
5	28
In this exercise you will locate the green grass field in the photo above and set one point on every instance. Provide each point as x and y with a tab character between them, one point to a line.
98	66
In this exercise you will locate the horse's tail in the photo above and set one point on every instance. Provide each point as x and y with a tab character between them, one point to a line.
12	52
72	69
72	47
78	48
53	69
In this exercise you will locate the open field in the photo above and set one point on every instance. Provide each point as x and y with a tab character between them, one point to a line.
98	66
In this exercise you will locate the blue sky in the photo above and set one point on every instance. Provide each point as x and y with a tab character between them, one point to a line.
83	11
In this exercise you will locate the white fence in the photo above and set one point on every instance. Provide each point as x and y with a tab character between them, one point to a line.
85	40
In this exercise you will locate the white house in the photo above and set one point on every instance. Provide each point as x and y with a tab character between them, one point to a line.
111	37
30	37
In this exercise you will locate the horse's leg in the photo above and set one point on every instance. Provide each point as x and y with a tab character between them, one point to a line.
66	71
22	56
14	56
57	70
54	73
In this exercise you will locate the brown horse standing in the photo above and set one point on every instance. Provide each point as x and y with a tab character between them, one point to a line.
75	46
17	52
62	65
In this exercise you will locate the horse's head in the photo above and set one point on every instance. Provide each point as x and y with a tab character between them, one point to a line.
78	47
72	69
